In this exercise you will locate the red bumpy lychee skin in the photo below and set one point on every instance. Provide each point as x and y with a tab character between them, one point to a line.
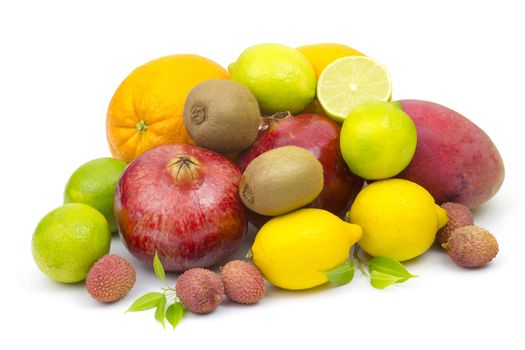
110	278
243	283
199	290
458	216
471	246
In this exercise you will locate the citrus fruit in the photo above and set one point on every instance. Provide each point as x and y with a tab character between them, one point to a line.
146	110
321	55
348	82
69	240
280	77
378	140
294	251
94	183
314	108
399	219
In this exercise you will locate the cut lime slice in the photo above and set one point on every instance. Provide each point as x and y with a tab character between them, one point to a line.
348	82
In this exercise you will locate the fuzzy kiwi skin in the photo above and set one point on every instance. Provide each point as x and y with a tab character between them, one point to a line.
222	115
281	180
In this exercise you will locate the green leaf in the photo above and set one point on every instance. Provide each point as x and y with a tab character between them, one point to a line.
390	267
160	312
146	302
159	269
174	314
382	280
249	255
341	274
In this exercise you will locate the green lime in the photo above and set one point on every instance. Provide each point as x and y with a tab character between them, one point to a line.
281	78
378	140
68	241
94	183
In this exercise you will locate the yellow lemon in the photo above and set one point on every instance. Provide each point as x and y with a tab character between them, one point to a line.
399	219
295	250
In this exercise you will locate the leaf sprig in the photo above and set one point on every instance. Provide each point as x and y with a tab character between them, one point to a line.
341	274
387	271
173	312
383	271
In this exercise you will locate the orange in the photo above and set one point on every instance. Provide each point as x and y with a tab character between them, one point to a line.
321	55
315	108
146	110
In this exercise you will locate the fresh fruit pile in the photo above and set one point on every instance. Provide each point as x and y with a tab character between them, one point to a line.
305	144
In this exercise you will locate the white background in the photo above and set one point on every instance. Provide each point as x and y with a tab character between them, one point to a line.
60	63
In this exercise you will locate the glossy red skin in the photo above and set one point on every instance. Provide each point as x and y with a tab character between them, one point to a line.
454	160
190	222
320	136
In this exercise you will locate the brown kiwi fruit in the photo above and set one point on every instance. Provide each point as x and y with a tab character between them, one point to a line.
222	115
281	180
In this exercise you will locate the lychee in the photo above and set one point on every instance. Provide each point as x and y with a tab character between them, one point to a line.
471	246
458	216
110	278
199	290
243	283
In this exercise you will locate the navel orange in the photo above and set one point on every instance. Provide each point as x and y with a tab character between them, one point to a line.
146	110
321	55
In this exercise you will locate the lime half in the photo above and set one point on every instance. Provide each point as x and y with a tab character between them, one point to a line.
348	82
